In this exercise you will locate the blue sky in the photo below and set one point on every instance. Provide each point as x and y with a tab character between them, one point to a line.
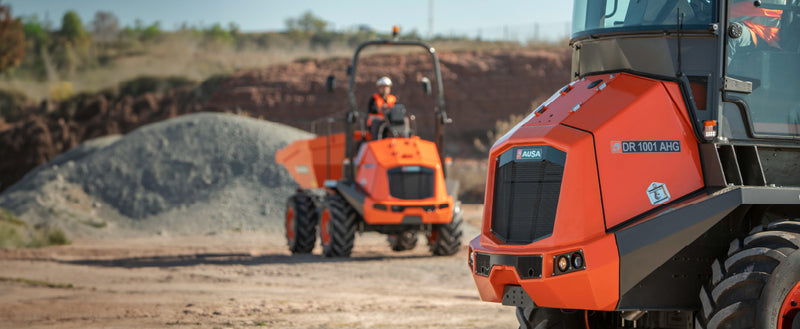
517	18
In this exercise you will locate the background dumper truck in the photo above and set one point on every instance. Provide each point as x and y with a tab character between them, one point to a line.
393	182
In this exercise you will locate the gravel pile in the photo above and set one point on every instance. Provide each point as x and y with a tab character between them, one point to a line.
200	173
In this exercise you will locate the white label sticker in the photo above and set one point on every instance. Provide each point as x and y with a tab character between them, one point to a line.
658	193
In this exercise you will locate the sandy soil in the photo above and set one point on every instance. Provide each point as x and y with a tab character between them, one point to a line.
237	280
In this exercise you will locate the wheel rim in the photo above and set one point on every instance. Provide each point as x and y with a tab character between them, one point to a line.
290	224
790	309
324	234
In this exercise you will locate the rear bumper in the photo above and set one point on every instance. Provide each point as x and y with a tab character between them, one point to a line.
407	213
595	287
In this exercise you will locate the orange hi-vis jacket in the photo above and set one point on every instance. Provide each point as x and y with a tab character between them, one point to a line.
763	23
379	102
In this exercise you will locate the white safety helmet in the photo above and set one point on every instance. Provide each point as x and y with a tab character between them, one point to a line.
384	81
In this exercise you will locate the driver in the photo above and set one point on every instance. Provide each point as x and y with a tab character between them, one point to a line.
752	26
378	104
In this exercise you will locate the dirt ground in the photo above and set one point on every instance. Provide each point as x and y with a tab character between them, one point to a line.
238	280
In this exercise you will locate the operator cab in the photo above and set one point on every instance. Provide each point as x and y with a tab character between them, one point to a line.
744	92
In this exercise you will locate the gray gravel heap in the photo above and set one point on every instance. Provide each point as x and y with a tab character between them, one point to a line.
198	173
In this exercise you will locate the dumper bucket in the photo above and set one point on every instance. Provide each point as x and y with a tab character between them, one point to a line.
313	161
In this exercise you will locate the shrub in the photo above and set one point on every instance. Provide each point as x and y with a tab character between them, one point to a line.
207	87
147	84
10	226
11	104
61	91
500	128
10	236
47	236
15	233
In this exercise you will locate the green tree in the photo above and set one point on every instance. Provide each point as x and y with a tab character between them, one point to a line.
35	31
151	32
12	39
217	33
307	24
38	41
72	30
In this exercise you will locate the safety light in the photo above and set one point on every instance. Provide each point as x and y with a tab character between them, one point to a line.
563	263
395	31
710	129
577	260
569	262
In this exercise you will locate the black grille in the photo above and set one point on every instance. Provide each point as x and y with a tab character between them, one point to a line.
483	264
411	182
527	184
528	267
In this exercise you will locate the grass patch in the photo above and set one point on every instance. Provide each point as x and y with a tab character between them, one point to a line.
15	233
38	283
10	235
47	236
7	216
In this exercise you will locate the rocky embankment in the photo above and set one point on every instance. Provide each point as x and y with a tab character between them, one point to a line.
480	88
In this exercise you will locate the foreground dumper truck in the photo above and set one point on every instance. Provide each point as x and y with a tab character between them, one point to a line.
660	188
392	183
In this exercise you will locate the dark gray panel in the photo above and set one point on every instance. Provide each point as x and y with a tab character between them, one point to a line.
712	166
656	56
781	165
516	296
652	242
649	244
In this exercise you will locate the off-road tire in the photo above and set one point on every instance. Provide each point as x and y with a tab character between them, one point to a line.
341	227
549	318
747	288
303	223
403	241
445	239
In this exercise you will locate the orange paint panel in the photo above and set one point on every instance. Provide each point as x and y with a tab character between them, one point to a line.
632	114
377	157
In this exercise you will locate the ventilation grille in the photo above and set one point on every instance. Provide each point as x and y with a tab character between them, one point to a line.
411	182
527	185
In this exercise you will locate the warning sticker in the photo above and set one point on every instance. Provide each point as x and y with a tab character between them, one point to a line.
645	146
657	193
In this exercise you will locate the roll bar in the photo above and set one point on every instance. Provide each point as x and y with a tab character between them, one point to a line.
352	114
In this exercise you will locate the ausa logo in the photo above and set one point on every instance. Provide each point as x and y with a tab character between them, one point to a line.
529	154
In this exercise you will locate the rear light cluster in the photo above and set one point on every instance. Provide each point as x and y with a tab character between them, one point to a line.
569	262
398	208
